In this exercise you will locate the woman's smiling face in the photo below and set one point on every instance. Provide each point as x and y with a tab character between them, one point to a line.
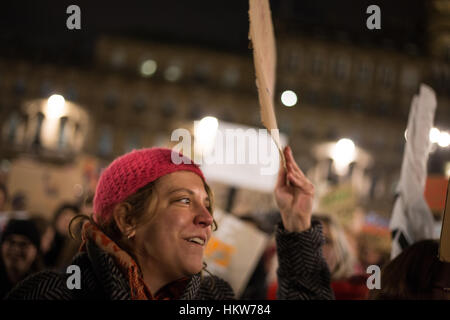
172	243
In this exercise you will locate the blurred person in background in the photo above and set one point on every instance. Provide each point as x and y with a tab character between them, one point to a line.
415	274
87	207
19	202
47	233
63	247
374	245
347	281
3	205
20	254
151	223
3	197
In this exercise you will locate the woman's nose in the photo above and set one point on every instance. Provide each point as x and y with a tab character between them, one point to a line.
203	217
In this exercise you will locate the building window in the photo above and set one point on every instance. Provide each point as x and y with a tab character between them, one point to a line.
311	97
139	105
202	72
13	124
118	58
336	100
342	68
195	112
331	134
318	65
77	136
173	72
447	53
105	143
168	109
132	142
286	125
72	93
364	71
111	100
387	76
383	108
62	135
46	88
37	134
293	62
19	87
231	77
410	78
357	104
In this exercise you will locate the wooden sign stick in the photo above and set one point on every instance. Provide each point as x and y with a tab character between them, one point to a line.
444	246
264	57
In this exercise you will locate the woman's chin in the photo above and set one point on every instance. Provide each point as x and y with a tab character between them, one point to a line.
193	269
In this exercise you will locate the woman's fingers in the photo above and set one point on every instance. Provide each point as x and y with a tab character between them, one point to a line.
301	182
291	162
281	180
295	174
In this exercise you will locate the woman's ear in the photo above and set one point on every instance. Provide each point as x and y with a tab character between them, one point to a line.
123	220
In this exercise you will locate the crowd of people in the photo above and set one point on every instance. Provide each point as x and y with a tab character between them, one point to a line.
144	203
31	242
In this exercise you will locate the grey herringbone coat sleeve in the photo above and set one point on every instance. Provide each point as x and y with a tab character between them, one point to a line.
303	272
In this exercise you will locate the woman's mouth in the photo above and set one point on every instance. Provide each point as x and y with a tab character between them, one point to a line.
196	240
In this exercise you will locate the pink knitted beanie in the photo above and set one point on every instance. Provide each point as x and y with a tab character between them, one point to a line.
132	171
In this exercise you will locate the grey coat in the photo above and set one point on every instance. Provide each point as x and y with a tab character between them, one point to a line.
302	274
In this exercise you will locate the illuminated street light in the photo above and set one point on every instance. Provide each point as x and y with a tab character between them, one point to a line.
434	135
343	153
289	98
55	106
444	139
205	134
172	73
148	68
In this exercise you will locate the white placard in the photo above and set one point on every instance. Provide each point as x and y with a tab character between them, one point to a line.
234	250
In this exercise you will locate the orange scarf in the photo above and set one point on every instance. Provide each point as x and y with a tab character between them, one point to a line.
138	289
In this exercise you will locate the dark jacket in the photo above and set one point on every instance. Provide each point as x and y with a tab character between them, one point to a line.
302	274
5	284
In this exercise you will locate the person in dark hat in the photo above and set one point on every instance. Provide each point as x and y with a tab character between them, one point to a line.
20	257
3	197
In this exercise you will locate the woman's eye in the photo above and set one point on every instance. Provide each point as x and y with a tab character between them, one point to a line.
185	200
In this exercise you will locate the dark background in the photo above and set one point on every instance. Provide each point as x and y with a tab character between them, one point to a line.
37	29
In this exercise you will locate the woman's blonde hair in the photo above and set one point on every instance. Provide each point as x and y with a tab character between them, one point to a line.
345	259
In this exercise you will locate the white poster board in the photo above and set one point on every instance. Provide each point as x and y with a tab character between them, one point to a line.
242	156
234	250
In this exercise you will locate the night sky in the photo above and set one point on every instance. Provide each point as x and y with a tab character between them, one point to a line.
37	29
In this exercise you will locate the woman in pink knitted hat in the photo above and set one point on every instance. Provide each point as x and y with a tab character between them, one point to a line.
151	223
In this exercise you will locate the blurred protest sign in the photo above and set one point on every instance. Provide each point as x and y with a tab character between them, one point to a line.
444	248
264	57
234	250
435	192
341	202
254	159
411	218
49	184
